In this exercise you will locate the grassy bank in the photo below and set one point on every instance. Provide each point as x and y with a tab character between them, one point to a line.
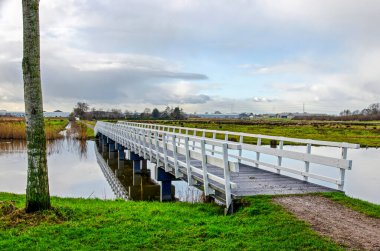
365	134
99	225
90	128
96	224
14	128
364	207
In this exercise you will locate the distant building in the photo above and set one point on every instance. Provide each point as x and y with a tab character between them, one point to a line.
56	114
46	114
219	116
285	115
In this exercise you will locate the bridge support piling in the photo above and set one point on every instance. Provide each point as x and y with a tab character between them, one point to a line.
136	160
121	151
166	184
144	165
121	155
111	145
104	143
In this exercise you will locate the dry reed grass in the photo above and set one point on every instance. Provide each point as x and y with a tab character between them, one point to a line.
14	128
78	130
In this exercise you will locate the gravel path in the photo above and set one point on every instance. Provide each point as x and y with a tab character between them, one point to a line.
331	219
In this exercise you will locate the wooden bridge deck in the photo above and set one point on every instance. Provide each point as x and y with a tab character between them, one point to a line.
220	167
249	180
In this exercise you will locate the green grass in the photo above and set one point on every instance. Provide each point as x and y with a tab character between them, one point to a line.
364	207
365	134
90	133
104	225
89	130
56	124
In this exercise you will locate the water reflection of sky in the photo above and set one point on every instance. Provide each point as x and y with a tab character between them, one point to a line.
73	170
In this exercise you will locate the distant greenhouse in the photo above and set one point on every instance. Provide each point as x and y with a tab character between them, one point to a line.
56	114
219	115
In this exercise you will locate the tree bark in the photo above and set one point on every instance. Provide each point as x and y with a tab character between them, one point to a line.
37	190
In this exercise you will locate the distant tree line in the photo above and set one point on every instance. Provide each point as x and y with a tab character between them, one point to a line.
82	111
373	109
372	112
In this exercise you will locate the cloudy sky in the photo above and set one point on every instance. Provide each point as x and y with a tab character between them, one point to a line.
233	56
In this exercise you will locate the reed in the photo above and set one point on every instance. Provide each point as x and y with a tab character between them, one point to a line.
14	128
78	131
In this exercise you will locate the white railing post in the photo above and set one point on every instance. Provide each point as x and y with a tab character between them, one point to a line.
144	143
140	142
213	146
342	171
188	163
307	163
279	158
157	149
258	153
226	170
165	148
176	171
204	167
179	139
150	147
241	141
194	134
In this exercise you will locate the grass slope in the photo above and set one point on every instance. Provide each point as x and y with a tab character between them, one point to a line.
104	225
364	207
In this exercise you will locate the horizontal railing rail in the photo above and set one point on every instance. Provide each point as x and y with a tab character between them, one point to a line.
180	152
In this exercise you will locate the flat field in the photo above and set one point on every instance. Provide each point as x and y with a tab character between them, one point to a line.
367	134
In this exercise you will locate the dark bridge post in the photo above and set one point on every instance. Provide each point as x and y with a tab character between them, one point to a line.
104	143
121	155
121	152
111	145
166	184
136	162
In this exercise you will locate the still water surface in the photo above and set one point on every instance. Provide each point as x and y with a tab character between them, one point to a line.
74	172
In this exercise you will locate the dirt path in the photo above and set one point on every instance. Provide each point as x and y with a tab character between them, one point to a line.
336	221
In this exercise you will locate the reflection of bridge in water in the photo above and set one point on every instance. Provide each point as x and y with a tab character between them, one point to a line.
226	165
130	179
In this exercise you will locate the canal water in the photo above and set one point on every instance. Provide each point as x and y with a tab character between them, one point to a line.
74	171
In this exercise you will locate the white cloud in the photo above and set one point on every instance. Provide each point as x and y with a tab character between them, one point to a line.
137	53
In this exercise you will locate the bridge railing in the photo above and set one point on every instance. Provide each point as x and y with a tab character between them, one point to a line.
174	152
175	149
307	157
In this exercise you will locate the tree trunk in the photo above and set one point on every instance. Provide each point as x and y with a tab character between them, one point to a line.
37	190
